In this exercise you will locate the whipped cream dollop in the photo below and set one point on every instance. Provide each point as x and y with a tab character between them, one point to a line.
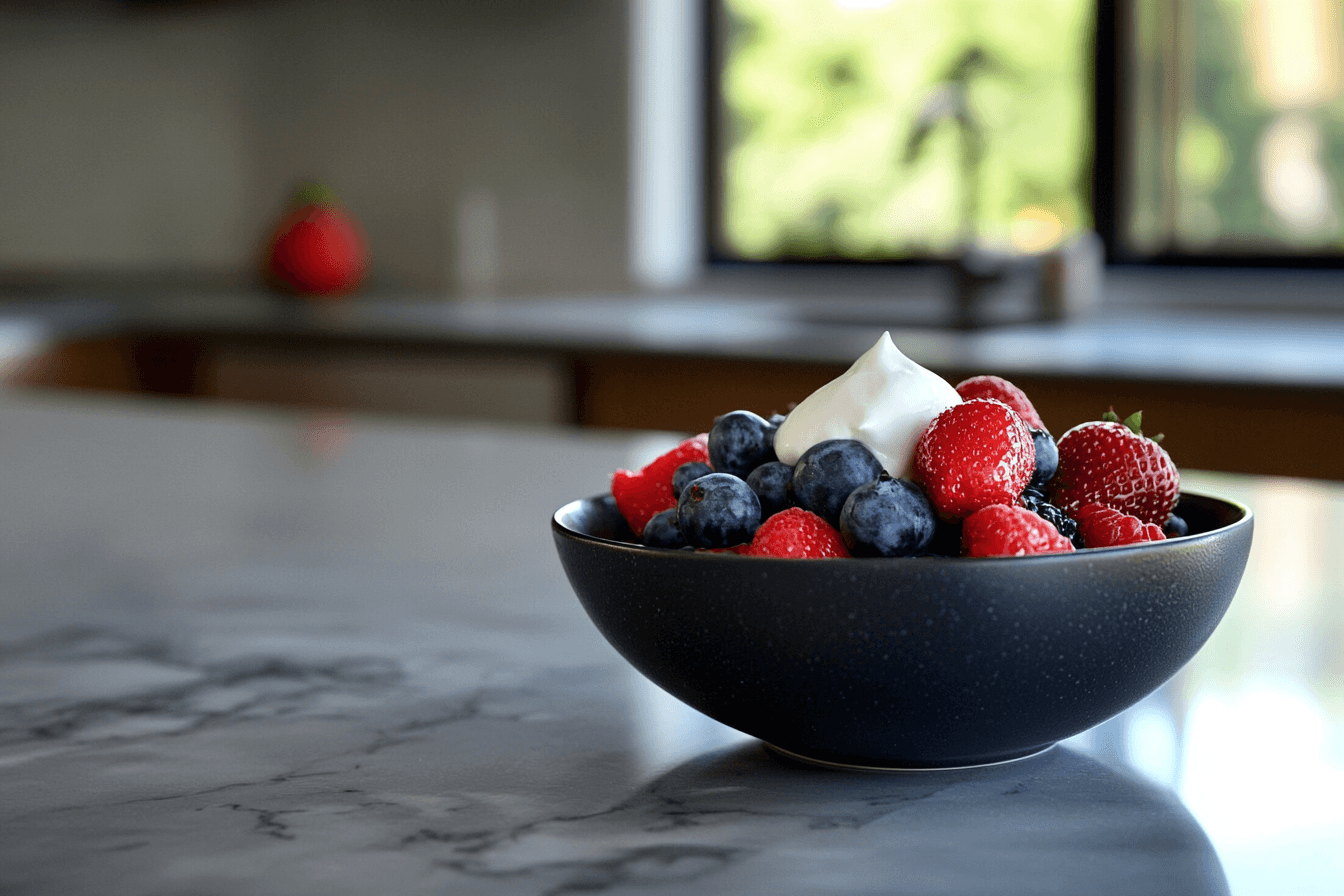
884	400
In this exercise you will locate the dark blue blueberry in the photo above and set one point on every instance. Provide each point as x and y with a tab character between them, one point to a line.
828	471
718	511
770	482
1175	527
887	518
739	442
686	472
1047	458
661	531
775	420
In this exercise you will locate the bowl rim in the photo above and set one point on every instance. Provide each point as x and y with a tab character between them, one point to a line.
563	530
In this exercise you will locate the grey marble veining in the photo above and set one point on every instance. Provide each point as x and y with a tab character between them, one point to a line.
158	768
231	663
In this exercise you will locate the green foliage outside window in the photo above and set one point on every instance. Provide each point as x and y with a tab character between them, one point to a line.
875	130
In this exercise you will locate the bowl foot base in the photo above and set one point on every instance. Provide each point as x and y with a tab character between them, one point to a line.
896	767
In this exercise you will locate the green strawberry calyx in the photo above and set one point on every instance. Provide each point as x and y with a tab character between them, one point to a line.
315	194
1134	422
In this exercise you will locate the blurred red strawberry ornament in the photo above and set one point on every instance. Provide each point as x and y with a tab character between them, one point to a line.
318	250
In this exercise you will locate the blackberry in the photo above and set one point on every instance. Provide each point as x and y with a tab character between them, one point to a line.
1067	526
828	471
946	540
661	530
770	482
887	518
687	472
718	511
739	442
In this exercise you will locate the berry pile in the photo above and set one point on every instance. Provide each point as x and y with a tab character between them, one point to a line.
987	480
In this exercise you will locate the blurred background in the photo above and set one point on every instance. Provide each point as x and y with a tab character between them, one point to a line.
165	138
570	204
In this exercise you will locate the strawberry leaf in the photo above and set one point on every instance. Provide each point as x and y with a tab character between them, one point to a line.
1110	416
1135	423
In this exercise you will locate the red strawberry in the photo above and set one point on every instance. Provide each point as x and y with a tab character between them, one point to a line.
641	495
696	448
1112	463
972	455
317	250
796	532
1004	391
1000	530
1104	527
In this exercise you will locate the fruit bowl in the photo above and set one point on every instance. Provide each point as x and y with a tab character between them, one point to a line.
908	663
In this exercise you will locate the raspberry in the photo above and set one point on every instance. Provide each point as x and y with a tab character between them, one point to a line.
1000	530
796	533
1104	527
999	388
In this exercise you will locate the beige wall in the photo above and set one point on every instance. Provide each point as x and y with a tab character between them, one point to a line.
144	138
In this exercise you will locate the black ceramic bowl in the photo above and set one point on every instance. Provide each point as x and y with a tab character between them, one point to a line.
908	663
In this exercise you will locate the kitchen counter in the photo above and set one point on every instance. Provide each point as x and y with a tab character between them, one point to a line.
273	652
1233	327
1207	355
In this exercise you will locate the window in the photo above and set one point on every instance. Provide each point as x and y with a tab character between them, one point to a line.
1234	112
895	130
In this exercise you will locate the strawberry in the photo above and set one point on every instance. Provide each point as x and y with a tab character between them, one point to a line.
318	249
642	494
1113	463
1000	530
664	467
1004	391
972	455
796	532
1104	527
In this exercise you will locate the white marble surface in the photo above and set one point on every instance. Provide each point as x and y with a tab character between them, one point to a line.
246	653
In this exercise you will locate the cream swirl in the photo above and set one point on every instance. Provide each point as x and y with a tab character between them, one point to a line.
884	400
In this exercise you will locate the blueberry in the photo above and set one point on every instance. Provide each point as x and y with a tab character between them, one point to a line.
686	472
770	482
887	518
828	471
718	511
661	530
739	442
1047	458
775	420
1175	527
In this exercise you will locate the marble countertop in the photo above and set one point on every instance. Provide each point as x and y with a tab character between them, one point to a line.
247	652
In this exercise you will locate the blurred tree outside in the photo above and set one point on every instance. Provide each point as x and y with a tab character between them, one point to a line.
850	126
1238	128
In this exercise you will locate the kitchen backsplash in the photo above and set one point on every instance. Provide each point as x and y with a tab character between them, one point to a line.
483	145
